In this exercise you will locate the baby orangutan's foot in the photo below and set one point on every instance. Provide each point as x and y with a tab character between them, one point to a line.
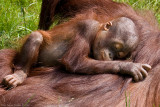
11	81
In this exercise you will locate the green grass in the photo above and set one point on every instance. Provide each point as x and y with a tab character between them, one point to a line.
17	18
128	102
153	5
20	17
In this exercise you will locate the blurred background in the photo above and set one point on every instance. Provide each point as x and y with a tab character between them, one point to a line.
20	17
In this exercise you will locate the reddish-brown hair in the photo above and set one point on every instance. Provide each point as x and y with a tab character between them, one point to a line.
55	87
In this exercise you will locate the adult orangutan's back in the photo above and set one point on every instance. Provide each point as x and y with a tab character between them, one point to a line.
52	87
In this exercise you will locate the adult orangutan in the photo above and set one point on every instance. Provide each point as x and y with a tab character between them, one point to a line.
55	87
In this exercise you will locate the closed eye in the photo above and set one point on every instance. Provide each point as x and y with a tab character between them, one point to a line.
118	46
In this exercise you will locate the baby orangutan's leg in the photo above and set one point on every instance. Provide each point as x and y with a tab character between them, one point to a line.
27	56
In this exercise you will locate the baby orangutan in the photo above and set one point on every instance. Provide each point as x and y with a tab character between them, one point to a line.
70	44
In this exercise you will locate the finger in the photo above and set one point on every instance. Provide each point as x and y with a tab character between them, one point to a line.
144	73
11	81
140	76
136	78
15	84
146	67
8	78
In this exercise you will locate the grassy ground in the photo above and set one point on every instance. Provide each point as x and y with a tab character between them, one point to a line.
20	17
153	5
17	18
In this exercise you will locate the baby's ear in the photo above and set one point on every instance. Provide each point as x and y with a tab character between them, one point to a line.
107	25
